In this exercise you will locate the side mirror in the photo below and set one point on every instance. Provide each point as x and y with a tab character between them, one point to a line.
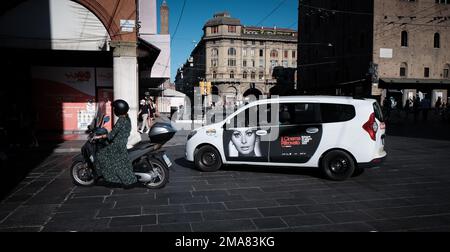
106	119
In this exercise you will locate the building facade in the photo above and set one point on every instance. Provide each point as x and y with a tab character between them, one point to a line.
412	49
238	60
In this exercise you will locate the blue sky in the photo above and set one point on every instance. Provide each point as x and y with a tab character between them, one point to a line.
267	13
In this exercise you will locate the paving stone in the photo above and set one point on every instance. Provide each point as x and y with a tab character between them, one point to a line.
75	225
133	221
250	204
409	223
225	198
120	229
305	220
231	214
204	207
267	223
163	209
179	218
183	227
296	201
132	211
320	208
187	200
35	215
279	211
22	229
224	226
346	227
348	216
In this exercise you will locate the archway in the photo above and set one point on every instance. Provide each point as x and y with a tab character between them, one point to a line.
252	94
274	90
253	91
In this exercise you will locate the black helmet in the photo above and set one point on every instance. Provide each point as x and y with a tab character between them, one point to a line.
120	107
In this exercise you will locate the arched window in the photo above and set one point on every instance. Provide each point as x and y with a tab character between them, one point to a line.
214	52
405	38
232	75
437	40
403	69
232	52
445	74
214	75
253	75
244	75
274	54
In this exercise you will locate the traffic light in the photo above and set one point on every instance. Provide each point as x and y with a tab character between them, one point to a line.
202	87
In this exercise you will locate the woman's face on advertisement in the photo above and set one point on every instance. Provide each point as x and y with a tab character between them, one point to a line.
244	140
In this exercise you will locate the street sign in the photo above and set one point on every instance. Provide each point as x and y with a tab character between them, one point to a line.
127	25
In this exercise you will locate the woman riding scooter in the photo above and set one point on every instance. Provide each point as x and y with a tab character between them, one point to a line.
112	161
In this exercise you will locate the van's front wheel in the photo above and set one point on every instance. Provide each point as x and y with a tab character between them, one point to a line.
337	165
207	159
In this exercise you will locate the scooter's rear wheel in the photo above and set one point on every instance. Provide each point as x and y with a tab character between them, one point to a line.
161	175
82	174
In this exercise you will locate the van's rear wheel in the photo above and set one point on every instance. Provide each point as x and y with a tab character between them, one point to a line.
207	159
337	165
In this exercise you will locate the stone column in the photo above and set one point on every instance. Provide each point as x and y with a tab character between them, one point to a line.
126	86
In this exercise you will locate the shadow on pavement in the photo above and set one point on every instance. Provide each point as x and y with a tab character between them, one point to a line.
186	164
19	162
313	172
434	127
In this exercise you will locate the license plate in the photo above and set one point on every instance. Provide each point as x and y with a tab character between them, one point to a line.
167	160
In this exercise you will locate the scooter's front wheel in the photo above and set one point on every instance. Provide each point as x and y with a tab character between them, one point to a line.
160	175
82	174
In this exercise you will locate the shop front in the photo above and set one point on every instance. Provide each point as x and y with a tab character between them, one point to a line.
401	90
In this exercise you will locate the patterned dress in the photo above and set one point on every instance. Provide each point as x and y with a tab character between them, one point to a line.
112	161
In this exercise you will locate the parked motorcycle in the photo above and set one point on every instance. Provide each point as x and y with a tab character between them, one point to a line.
150	163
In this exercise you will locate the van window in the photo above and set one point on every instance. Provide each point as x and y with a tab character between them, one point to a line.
298	113
337	112
378	112
251	117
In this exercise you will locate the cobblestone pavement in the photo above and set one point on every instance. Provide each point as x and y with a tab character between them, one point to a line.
411	192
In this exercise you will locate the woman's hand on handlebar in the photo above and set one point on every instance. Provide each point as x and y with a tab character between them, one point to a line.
100	137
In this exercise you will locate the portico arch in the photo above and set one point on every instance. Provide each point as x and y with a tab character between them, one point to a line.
110	12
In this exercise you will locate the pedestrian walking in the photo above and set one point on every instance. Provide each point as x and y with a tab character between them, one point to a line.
425	104
144	113
152	110
387	106
416	108
407	108
437	106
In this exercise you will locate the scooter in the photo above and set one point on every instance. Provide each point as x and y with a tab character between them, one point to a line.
150	163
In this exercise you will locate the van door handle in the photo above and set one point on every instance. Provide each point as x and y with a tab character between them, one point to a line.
261	132
312	130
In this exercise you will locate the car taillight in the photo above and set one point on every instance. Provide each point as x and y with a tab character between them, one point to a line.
371	127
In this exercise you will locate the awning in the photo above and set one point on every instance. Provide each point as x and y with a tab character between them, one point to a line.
391	83
173	93
147	55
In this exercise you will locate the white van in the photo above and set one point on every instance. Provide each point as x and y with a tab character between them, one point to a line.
339	135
